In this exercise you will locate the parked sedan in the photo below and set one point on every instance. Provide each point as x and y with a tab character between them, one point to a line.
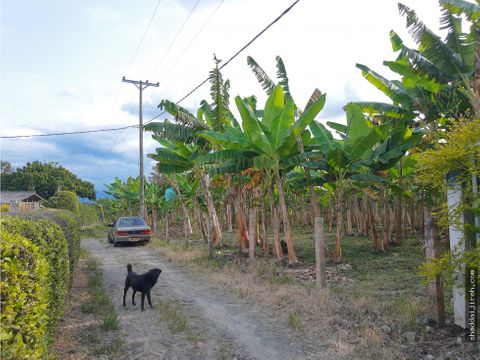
129	230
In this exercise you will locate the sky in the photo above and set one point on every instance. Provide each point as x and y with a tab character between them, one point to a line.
62	63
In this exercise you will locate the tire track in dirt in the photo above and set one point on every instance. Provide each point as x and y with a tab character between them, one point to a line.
228	328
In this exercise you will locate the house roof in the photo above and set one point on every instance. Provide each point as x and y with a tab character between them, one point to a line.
7	197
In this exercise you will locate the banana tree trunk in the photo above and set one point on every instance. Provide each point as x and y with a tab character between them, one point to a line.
371	221
277	247
386	219
167	237
292	257
337	252
228	215
211	210
188	225
242	234
251	233
154	219
199	218
349	221
265	246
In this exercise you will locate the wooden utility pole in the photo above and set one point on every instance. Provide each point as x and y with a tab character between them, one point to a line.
141	86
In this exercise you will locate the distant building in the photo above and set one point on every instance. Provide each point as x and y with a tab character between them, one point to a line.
20	201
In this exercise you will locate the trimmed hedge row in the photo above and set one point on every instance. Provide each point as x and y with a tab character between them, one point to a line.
53	245
24	296
39	252
70	227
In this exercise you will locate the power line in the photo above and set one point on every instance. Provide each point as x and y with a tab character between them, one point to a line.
192	41
143	37
179	101
68	133
260	33
136	52
174	39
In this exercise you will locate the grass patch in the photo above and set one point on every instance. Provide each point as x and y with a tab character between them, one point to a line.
294	321
100	304
172	314
97	231
367	290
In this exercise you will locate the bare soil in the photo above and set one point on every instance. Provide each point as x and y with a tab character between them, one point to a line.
213	323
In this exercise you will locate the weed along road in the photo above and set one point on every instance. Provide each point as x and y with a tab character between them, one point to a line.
191	318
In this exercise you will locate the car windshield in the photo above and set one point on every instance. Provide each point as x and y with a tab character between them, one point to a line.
133	221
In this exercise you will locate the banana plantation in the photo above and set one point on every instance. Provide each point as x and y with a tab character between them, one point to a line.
262	170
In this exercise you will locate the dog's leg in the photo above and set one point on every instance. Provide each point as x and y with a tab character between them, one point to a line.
133	296
125	294
143	301
149	299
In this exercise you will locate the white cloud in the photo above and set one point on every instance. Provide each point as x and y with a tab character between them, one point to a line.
319	41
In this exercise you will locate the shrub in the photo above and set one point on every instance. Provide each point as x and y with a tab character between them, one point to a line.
24	298
4	208
51	241
68	222
66	200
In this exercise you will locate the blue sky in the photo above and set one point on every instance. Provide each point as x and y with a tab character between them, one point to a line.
62	62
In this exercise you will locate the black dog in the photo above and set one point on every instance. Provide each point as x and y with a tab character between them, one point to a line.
142	283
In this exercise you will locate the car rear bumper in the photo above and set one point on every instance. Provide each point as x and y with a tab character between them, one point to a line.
131	239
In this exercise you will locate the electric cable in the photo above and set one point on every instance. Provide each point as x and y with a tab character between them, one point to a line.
179	101
174	39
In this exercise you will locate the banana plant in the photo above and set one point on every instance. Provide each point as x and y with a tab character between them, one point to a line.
436	80
266	143
364	149
125	193
181	141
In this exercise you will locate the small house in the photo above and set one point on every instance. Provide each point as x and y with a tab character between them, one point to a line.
20	201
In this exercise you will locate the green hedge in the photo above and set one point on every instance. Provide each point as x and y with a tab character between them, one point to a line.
51	241
66	200
70	227
24	298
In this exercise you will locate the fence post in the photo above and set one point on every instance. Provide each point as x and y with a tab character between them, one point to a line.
320	242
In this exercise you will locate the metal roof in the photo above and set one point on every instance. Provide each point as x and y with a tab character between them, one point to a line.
7	197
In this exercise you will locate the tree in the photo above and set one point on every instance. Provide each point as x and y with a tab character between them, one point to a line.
364	150
438	78
46	179
181	144
266	143
5	167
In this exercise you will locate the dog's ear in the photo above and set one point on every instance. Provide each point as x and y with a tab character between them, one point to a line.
129	267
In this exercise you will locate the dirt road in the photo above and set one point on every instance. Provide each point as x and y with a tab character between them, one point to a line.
218	325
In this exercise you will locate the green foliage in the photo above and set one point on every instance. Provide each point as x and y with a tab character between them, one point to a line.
456	152
70	227
5	167
66	200
46	179
52	244
4	208
24	298
89	214
447	264
436	79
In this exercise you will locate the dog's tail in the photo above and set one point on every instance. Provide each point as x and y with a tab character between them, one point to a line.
129	267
